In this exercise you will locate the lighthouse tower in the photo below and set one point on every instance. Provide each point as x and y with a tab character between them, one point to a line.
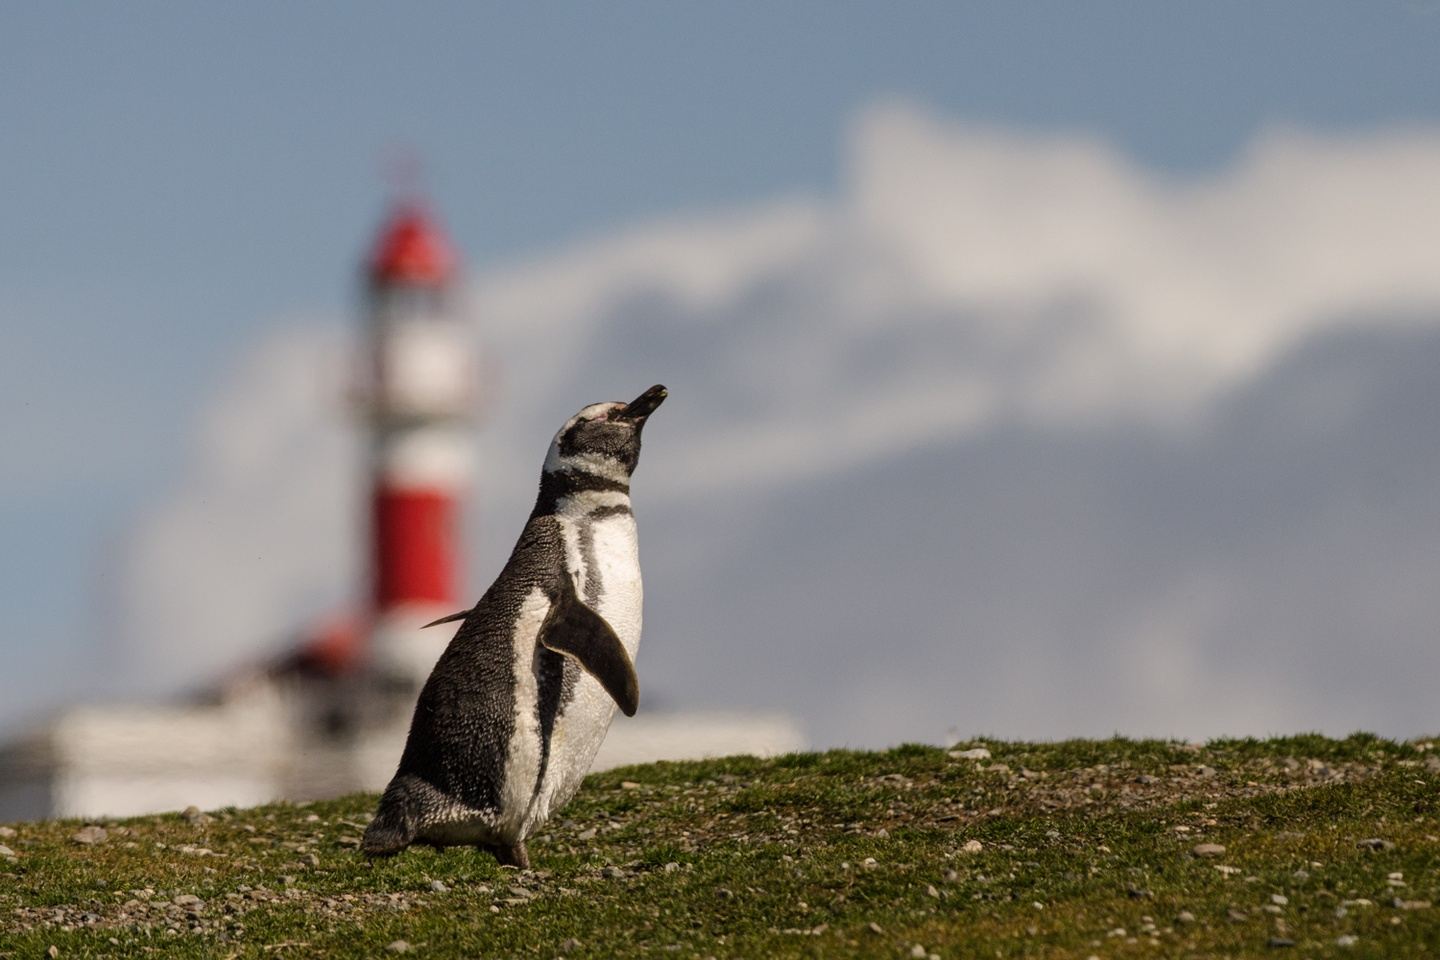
420	396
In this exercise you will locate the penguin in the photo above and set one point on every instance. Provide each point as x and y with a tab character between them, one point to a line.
516	707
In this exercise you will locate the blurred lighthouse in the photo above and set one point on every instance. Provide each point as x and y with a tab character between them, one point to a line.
419	398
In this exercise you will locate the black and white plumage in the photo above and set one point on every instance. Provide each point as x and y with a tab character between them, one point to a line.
517	706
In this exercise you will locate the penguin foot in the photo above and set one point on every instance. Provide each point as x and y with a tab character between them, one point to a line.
514	855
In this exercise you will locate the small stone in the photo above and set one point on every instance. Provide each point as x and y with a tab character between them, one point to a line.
1346	940
612	873
587	834
439	886
6	852
919	952
978	753
1000	768
570	945
671	867
1184	917
1275	943
398	946
1411	904
310	860
1208	850
53	951
90	835
1271	908
1279	899
7	832
874	927
1375	843
869	863
192	813
931	892
972	846
629	785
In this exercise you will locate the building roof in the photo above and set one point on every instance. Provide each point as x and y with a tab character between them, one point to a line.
411	249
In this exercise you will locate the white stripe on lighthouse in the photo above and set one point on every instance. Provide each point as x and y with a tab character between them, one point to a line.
430	457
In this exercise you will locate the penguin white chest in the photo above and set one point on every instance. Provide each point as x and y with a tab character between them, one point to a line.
604	559
615	570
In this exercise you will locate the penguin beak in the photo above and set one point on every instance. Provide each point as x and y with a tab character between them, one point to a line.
643	405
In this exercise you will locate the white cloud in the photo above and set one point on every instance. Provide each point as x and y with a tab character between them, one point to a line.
968	287
262	530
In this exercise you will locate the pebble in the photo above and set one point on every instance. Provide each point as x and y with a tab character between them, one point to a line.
629	785
398	946
7	832
978	753
1208	850
587	834
6	852
1279	899
874	927
930	891
1411	904
566	946
972	846
90	835
1185	916
1346	940
1375	843
918	951
192	813
671	867
612	873
52	951
439	886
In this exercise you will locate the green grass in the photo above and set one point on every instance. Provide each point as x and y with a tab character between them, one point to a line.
1085	849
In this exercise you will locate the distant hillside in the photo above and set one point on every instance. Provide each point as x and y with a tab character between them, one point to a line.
1109	849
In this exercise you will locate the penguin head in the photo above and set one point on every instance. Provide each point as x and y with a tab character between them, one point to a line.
604	438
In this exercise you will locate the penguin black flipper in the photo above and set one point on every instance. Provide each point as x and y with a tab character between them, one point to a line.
450	619
573	629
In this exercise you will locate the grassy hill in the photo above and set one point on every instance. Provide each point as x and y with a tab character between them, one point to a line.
1075	849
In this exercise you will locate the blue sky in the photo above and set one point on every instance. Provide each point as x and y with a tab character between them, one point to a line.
180	181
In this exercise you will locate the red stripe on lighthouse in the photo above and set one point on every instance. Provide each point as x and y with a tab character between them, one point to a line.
416	554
